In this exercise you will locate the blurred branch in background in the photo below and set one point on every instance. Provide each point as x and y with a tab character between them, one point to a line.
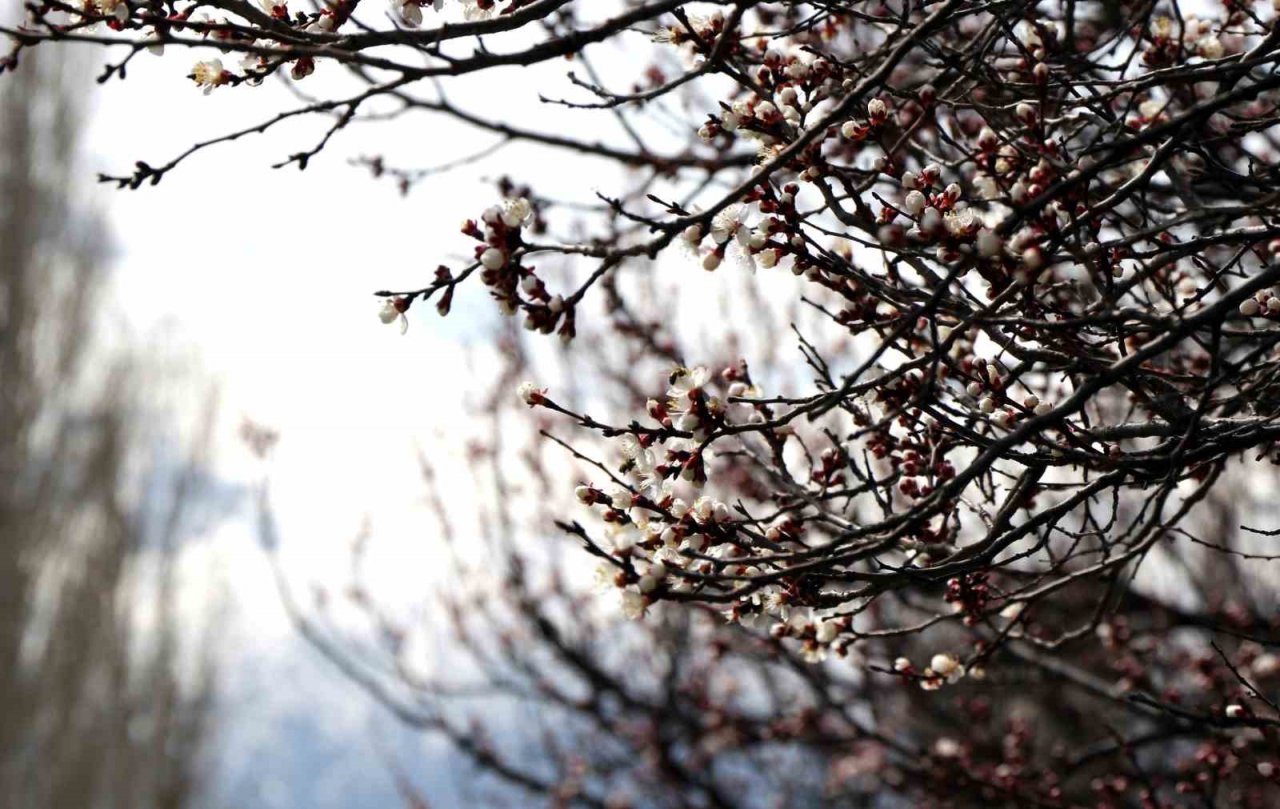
101	704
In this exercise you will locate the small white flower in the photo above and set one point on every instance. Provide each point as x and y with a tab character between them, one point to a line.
392	310
517	212
1211	47
323	24
665	36
114	8
1265	666
813	652
1234	711
959	223
473	12
633	604
686	380
410	12
209	74
606	577
252	61
530	394
729	224
947	748
947	667
493	258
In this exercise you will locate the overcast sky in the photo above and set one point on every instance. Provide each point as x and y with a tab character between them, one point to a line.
260	281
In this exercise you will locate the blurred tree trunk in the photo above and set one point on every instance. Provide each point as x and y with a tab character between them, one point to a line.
100	704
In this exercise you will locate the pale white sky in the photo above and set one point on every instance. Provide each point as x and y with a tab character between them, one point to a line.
261	281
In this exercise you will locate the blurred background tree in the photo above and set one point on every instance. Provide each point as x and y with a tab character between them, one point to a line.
101	704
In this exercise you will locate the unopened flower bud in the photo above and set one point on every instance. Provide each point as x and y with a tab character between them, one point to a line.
989	243
914	203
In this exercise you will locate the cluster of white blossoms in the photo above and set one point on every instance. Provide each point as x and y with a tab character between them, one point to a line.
693	40
1263	303
803	94
410	11
733	232
943	668
512	214
1205	38
211	73
988	390
499	233
662	541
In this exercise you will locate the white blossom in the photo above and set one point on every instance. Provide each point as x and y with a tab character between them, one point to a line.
685	381
633	604
517	212
473	12
530	394
391	311
209	74
947	667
